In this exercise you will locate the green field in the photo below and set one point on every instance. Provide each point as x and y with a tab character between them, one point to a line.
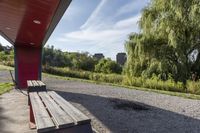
5	87
2	67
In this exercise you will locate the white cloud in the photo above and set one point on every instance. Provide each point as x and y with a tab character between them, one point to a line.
101	33
127	23
133	6
95	16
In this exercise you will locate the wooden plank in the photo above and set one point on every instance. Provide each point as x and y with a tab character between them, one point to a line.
35	83
40	83
78	116
29	83
42	118
36	86
61	118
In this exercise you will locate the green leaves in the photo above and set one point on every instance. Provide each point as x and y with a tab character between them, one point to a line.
170	31
107	66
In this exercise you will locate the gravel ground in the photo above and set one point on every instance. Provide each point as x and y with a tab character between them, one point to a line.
5	76
14	113
120	110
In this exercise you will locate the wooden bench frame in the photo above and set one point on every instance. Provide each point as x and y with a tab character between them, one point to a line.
49	112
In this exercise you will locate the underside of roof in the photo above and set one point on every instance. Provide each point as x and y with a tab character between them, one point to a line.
30	22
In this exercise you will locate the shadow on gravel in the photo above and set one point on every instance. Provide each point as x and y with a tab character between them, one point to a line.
128	105
122	116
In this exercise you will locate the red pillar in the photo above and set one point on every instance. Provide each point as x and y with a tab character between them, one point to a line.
27	64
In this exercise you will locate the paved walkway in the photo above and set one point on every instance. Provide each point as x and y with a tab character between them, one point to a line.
14	113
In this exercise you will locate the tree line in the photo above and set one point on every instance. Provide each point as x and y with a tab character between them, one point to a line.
73	60
79	61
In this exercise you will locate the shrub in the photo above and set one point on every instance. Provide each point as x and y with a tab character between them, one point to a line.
109	78
193	87
155	83
151	83
108	66
67	72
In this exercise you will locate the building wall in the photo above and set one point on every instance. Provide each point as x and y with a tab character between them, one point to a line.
121	58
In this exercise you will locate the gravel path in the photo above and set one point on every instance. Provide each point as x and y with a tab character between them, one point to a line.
120	110
5	76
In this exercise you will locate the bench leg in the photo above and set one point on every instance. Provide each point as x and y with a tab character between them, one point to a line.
32	120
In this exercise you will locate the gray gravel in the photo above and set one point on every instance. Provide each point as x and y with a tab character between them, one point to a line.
5	76
164	114
120	110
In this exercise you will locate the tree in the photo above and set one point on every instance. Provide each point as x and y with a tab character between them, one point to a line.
170	34
55	57
107	66
1	47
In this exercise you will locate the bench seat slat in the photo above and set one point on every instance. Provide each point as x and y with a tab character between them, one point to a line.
42	118
29	83
36	86
40	83
35	83
61	118
78	116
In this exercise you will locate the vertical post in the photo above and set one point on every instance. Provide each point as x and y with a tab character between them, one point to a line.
27	64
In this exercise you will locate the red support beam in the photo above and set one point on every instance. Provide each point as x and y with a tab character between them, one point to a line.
27	65
27	25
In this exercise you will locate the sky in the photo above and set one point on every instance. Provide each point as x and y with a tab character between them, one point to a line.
96	26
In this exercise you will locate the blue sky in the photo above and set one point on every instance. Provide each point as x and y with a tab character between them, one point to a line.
96	26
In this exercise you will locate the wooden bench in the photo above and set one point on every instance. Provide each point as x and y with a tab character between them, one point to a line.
35	85
49	112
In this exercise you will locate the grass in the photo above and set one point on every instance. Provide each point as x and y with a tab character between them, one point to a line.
5	87
179	94
2	67
69	78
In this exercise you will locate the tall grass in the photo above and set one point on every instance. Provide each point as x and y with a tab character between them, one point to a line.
99	77
153	83
193	87
5	87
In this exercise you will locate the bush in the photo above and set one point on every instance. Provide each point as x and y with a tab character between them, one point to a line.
193	87
109	78
7	58
108	66
151	83
155	83
67	72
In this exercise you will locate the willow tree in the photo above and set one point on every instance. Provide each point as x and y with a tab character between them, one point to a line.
170	31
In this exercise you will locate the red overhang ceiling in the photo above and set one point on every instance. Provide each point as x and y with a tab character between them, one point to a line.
30	22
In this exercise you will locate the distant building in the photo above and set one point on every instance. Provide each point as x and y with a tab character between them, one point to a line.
98	56
7	48
121	58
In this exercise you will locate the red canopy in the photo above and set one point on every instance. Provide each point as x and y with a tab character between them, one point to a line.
27	24
30	22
